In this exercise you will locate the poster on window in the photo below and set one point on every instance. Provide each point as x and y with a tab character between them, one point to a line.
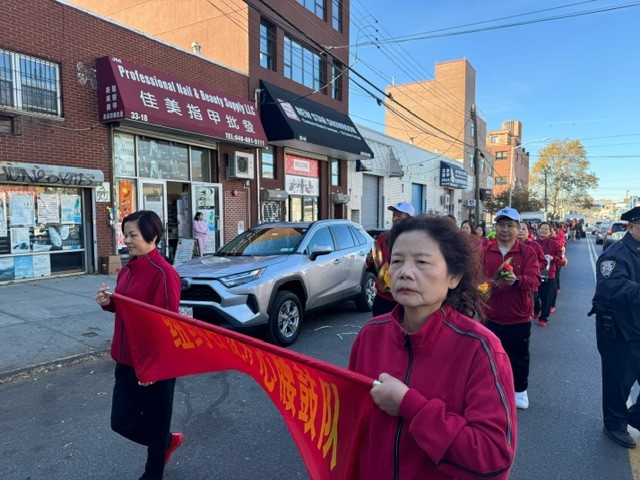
48	208
19	240
41	266
124	157
23	266
3	216
70	206
6	269
21	209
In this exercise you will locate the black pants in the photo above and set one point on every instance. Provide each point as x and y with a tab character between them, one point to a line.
515	341
382	305
143	415
544	292
620	362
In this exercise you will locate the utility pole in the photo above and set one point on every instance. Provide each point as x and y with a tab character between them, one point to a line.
476	162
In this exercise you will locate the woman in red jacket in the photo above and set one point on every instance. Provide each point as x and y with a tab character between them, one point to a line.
142	412
553	254
445	388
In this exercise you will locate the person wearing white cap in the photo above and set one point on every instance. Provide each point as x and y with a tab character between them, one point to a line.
383	301
513	272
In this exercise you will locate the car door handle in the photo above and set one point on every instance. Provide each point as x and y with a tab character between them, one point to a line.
337	261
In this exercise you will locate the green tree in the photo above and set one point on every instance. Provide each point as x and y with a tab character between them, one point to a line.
522	200
561	177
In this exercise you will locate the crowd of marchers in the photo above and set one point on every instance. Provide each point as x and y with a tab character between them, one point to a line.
422	324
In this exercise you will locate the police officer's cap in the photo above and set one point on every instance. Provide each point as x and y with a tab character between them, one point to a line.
632	215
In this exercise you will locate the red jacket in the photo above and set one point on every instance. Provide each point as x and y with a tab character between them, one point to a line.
550	246
529	242
385	254
150	279
509	305
458	419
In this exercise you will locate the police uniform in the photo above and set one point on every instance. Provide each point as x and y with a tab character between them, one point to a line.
616	304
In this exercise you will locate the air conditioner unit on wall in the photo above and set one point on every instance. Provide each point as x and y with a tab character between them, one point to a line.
240	165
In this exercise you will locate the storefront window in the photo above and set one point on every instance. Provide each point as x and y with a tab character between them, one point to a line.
124	155
162	159
200	171
268	163
40	231
125	193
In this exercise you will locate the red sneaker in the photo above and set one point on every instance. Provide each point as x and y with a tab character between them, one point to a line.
176	441
542	323
536	315
553	309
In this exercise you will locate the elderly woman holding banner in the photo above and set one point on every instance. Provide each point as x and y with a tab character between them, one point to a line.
445	389
140	411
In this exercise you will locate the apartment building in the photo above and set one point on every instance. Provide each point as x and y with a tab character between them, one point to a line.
299	86
442	121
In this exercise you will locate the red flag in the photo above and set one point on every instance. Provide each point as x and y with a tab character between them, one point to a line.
325	407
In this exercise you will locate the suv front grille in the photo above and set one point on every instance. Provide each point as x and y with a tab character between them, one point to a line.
200	293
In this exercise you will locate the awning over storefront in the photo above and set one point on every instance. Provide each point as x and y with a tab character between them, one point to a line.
130	92
55	175
300	123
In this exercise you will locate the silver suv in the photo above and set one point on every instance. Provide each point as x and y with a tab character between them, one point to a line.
275	272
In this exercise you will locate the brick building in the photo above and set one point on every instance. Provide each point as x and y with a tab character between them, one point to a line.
97	120
443	122
511	160
300	86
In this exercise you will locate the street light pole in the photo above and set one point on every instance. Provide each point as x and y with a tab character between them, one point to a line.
512	164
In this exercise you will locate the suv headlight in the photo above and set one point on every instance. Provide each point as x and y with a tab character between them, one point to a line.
241	278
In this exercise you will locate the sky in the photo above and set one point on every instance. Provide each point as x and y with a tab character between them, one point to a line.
573	78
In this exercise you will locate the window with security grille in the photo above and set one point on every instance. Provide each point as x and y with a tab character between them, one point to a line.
29	84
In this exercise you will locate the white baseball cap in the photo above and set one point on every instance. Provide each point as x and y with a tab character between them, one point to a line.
403	207
508	212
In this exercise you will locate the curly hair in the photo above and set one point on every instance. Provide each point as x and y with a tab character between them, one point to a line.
462	255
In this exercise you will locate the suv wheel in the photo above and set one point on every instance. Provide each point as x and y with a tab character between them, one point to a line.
364	302
285	319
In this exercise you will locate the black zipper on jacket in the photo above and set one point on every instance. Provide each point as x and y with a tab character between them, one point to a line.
407	376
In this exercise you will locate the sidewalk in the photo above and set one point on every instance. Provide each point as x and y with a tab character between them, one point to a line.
50	321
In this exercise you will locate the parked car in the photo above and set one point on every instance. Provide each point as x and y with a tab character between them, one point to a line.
602	229
272	274
614	233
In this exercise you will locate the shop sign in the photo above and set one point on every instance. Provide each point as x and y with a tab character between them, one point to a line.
127	91
452	176
30	173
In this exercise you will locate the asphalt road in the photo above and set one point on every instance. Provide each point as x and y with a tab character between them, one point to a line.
56	425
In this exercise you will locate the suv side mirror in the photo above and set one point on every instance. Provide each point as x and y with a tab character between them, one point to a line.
320	249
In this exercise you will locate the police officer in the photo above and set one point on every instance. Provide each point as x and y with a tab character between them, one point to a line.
617	307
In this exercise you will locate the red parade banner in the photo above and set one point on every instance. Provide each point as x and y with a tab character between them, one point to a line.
325	407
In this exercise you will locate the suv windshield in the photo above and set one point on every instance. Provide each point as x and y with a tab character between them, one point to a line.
264	241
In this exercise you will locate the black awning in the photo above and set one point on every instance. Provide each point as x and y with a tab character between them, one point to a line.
300	123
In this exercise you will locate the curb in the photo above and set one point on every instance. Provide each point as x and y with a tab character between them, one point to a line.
50	366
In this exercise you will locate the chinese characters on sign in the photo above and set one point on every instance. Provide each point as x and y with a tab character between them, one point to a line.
138	93
452	176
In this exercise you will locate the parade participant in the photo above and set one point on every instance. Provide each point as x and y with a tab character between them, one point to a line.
524	236
553	254
557	231
444	386
467	227
510	302
481	232
141	412
616	304
200	231
383	301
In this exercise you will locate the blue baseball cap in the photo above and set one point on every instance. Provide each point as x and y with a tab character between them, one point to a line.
403	207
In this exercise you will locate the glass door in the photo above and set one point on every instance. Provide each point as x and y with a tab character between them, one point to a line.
153	196
207	199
